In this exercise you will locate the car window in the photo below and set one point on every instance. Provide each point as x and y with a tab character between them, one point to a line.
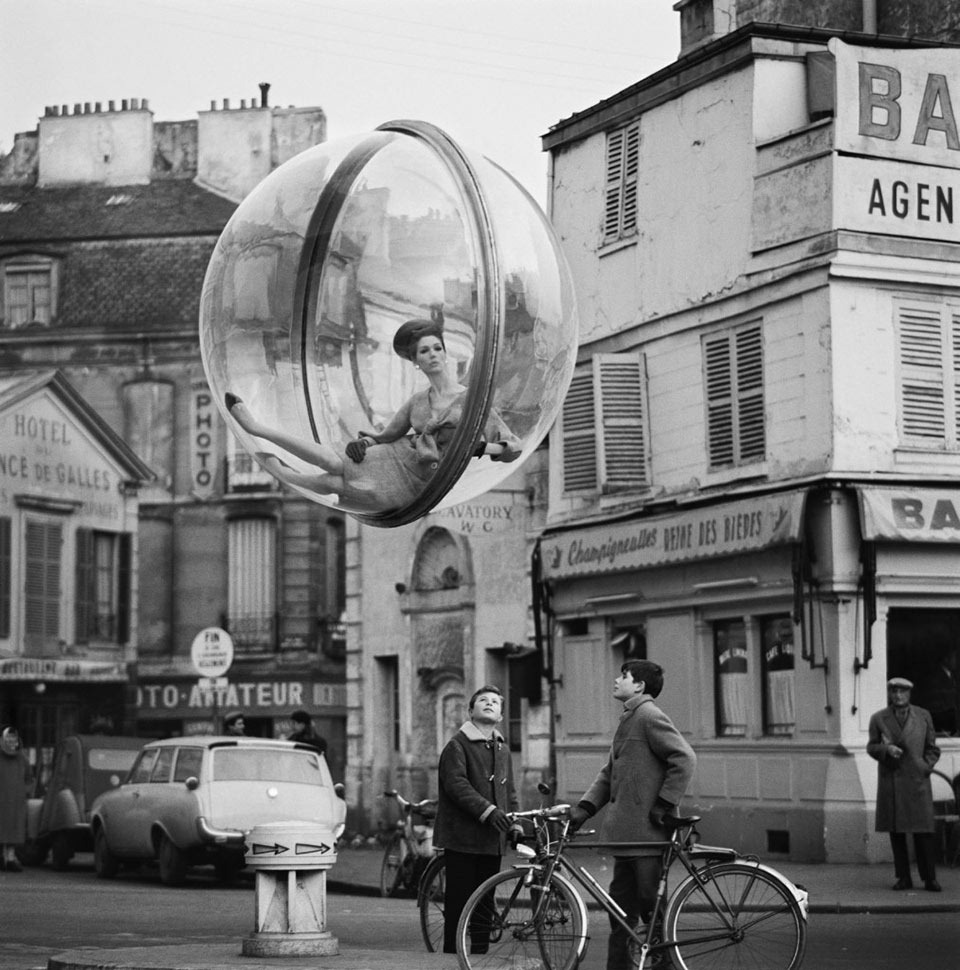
110	759
143	767
265	764
188	764
161	770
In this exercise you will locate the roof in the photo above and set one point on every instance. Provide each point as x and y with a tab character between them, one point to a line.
173	207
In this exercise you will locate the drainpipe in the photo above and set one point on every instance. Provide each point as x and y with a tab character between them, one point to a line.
869	16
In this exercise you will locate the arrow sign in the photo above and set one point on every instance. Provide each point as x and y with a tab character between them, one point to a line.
275	849
305	848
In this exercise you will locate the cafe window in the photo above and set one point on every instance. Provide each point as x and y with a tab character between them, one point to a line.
779	679
731	676
605	428
102	598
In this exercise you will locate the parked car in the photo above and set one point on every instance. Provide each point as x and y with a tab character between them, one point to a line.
191	801
58	818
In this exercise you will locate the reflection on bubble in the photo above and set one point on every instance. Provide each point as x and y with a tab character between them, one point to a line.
318	286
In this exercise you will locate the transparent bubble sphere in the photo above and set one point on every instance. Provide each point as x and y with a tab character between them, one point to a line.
388	323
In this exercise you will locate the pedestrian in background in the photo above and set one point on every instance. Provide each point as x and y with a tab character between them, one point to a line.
476	791
903	741
305	733
14	776
234	724
647	773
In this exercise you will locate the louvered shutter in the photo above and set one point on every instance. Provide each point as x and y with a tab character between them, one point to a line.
622	432
579	435
751	431
923	403
6	576
84	599
719	380
42	582
124	584
620	183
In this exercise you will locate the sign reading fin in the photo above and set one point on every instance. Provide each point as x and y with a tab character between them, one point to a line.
212	652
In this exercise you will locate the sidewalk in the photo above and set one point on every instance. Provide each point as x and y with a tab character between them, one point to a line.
833	888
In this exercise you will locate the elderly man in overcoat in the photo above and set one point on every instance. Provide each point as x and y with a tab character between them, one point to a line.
903	741
647	773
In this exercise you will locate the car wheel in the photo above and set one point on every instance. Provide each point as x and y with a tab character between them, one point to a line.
173	863
105	863
61	851
32	853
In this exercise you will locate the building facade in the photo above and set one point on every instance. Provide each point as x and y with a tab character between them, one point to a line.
108	219
753	480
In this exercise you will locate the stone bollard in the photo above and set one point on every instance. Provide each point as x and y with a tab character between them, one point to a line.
291	860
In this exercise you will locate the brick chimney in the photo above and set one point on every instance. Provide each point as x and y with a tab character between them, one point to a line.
88	145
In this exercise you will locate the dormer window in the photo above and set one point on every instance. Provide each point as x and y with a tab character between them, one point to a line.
29	291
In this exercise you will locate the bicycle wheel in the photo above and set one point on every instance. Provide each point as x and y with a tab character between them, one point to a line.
430	894
392	867
739	916
501	928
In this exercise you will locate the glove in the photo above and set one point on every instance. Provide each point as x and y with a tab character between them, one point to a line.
660	808
578	815
510	450
481	448
498	819
357	449
515	835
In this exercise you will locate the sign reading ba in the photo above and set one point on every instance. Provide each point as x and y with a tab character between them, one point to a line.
212	652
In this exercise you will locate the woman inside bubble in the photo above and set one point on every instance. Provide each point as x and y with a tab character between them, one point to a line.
387	469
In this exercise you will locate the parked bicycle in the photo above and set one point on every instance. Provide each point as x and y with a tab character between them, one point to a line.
727	910
410	863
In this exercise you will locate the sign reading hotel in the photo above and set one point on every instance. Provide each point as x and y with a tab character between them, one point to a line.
897	114
722	530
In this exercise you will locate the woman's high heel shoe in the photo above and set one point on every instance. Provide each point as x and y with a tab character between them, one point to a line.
231	400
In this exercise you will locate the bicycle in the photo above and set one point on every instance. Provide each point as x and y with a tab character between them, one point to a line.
728	910
410	863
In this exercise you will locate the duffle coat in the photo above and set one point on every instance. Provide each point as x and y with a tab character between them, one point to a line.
649	758
904	796
476	777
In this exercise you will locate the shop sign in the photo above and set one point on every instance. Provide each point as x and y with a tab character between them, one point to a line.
720	530
188	698
485	516
911	514
203	452
30	668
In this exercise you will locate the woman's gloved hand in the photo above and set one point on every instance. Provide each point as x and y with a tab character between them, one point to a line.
357	449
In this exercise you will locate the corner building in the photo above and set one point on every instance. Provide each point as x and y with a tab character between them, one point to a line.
753	481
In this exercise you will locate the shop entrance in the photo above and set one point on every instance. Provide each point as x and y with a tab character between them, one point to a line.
924	646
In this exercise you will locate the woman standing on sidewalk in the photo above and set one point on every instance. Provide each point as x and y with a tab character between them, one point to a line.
14	775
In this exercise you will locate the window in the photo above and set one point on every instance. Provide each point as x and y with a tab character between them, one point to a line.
143	767
251	594
928	351
161	770
389	676
42	584
620	184
6	577
188	764
777	664
732	678
102	599
733	372
28	292
604	425
513	706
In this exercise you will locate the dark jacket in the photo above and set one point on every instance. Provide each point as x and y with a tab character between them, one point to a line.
476	777
307	735
649	759
904	797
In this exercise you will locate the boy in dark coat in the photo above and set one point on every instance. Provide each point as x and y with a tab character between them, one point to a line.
646	775
902	740
476	792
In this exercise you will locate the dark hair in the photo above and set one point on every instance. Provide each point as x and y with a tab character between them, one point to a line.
646	670
300	717
409	334
486	689
232	717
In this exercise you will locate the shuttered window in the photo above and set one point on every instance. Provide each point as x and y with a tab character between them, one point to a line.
43	546
102	593
733	374
928	338
6	576
620	183
251	593
605	431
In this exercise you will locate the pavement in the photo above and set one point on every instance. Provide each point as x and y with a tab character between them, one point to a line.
833	889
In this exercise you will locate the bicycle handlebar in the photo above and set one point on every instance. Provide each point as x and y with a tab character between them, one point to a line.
426	805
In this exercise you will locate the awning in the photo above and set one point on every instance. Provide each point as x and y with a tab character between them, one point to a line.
746	525
76	671
910	514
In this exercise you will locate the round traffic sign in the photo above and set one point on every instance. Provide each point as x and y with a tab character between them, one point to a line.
212	652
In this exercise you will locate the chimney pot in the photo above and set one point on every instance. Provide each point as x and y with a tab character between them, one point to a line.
98	107
226	104
64	109
213	105
76	109
264	91
111	106
243	102
86	107
144	104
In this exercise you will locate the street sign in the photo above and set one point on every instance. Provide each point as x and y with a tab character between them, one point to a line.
212	652
212	683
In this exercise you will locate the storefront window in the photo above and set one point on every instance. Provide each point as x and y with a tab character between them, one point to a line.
732	683
777	664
